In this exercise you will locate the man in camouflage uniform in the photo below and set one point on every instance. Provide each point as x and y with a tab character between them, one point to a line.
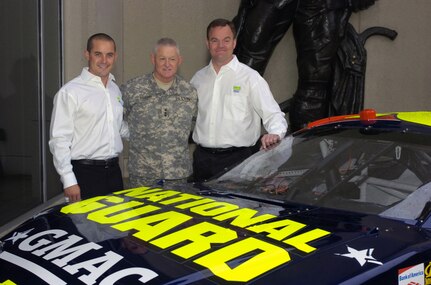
159	108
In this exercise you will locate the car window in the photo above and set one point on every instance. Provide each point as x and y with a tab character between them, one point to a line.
341	169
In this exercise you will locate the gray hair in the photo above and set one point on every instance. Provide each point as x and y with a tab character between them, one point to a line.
166	42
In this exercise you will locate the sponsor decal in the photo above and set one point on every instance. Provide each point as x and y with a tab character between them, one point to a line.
428	274
413	275
61	249
208	244
236	89
361	256
255	247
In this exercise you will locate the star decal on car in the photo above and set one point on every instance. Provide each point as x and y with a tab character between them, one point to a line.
361	256
19	235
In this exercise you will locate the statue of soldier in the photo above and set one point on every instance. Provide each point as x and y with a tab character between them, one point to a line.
318	29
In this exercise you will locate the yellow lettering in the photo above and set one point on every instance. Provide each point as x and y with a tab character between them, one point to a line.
157	194
201	236
153	226
105	216
89	205
244	217
300	241
278	230
155	197
428	274
137	192
8	282
428	270
266	257
213	209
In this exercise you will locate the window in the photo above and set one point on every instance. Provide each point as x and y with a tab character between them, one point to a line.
31	73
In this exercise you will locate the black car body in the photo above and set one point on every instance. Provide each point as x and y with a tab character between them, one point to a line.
346	200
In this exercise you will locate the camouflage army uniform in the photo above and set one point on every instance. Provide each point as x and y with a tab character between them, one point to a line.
160	123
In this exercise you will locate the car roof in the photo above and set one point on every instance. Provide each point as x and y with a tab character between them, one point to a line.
369	117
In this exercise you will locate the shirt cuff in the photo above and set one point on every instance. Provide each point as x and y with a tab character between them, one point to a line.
68	180
280	134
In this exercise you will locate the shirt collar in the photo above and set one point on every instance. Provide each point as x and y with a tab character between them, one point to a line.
233	64
159	83
88	76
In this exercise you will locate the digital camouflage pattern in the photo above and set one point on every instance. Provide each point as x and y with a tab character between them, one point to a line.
160	123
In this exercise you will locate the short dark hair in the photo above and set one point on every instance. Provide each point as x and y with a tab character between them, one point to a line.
221	23
99	36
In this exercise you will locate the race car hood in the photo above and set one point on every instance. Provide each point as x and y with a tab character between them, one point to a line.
164	236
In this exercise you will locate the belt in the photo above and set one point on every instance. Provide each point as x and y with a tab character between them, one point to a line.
222	150
98	162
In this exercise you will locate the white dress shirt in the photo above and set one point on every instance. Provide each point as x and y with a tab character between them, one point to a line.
232	106
86	121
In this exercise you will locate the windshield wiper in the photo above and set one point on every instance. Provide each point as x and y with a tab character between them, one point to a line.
215	193
234	195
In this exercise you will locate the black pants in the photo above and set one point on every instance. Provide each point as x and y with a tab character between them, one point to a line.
210	163
96	180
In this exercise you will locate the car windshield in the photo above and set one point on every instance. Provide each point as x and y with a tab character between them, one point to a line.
381	172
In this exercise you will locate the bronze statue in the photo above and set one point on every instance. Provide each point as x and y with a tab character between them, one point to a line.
319	28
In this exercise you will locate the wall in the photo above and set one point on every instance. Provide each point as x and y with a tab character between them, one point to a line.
395	70
82	18
398	74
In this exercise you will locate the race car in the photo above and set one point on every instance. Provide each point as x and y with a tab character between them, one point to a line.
346	200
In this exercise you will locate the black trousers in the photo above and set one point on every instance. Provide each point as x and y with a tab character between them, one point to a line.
96	180
211	163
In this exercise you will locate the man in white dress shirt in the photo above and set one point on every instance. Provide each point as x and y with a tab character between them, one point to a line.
85	129
234	101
